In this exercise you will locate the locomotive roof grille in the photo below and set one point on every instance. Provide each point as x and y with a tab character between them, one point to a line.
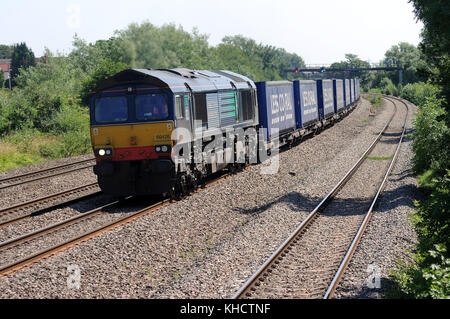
178	80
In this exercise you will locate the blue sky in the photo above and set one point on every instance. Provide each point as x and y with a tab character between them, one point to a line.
320	31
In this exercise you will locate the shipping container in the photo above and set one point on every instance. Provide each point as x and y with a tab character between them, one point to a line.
306	104
338	95
347	92
351	91
354	89
358	92
325	98
276	108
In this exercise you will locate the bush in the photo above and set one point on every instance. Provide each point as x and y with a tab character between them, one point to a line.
388	87
14	160
429	139
428	275
418	93
75	143
103	70
419	280
375	97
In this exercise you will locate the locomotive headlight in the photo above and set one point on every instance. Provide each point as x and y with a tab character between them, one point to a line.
104	152
163	148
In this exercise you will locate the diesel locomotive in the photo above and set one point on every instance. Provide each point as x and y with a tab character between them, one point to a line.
152	130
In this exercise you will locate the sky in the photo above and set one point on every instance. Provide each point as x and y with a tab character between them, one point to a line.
320	31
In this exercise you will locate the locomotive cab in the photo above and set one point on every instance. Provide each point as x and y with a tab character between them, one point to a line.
131	128
135	112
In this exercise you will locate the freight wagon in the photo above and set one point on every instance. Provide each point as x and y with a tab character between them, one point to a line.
325	98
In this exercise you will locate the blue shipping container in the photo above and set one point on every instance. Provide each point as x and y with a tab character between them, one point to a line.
338	95
353	90
325	98
276	107
352	99
306	105
357	89
347	92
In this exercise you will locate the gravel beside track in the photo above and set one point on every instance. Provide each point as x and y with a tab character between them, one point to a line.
208	244
307	270
367	275
25	192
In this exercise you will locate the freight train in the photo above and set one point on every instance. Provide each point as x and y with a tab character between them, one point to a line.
164	131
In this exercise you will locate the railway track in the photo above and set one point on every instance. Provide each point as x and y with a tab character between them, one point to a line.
106	221
311	261
44	173
18	212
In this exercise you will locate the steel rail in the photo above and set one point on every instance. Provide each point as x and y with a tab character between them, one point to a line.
78	239
286	245
335	282
56	226
18	177
88	235
21	206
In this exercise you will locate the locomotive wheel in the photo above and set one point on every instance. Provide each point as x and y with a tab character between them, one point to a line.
193	182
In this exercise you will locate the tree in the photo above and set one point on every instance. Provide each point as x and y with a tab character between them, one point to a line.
353	61
22	57
271	60
2	79
104	69
6	51
435	43
410	59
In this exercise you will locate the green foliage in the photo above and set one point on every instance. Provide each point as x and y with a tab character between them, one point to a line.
427	181
420	280
389	88
410	59
17	113
352	61
22	58
2	79
6	51
432	222
14	160
430	137
435	44
268	62
428	276
375	98
147	46
418	93
103	70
